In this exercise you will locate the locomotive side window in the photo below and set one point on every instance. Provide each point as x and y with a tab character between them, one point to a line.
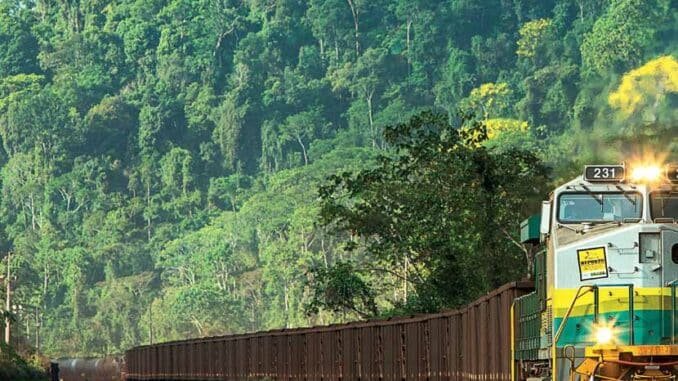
674	253
664	205
599	207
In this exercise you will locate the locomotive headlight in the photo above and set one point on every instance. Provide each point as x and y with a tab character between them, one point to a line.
604	335
646	173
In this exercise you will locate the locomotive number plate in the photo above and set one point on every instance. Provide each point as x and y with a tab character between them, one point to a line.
604	173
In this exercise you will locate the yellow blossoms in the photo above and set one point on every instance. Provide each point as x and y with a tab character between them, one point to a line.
643	89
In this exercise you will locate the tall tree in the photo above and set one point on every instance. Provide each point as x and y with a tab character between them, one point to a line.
399	213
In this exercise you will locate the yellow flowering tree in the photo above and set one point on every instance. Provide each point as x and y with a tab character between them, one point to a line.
531	33
498	126
490	99
491	102
643	90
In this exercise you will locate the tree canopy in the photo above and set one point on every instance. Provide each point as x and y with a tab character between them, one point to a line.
176	168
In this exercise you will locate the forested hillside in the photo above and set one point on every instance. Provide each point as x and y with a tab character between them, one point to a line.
165	163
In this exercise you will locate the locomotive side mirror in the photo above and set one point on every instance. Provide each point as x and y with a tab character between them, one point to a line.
545	226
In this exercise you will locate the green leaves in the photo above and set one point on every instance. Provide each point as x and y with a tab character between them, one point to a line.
18	46
188	139
440	204
620	37
40	122
531	34
339	288
228	132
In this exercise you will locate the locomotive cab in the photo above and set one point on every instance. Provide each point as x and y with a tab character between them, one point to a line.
605	299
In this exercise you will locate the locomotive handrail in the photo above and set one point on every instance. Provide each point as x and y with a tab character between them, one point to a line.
673	284
569	311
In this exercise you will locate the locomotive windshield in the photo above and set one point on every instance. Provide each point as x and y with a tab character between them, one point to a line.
664	205
599	207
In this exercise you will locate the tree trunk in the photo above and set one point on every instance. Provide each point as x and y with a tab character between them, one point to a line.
148	205
406	269
198	326
354	12
32	207
45	284
303	149
325	253
287	306
370	118
409	60
530	253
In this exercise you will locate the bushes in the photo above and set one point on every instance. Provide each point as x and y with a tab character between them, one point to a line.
14	367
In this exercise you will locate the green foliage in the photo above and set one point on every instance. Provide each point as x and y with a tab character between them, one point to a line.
18	46
161	159
455	82
439	180
619	38
339	288
531	34
15	367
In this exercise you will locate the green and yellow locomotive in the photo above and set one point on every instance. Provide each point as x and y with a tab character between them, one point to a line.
605	301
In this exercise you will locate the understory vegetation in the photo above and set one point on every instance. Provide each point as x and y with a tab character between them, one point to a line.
21	366
182	168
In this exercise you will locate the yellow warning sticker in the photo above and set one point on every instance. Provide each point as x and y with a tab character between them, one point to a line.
592	263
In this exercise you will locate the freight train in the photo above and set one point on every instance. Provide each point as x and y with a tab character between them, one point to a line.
602	307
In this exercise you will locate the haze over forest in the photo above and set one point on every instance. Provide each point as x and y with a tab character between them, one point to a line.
165	163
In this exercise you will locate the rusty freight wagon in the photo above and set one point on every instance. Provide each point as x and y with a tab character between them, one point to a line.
470	344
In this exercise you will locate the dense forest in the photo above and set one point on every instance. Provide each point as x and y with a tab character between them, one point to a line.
181	168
